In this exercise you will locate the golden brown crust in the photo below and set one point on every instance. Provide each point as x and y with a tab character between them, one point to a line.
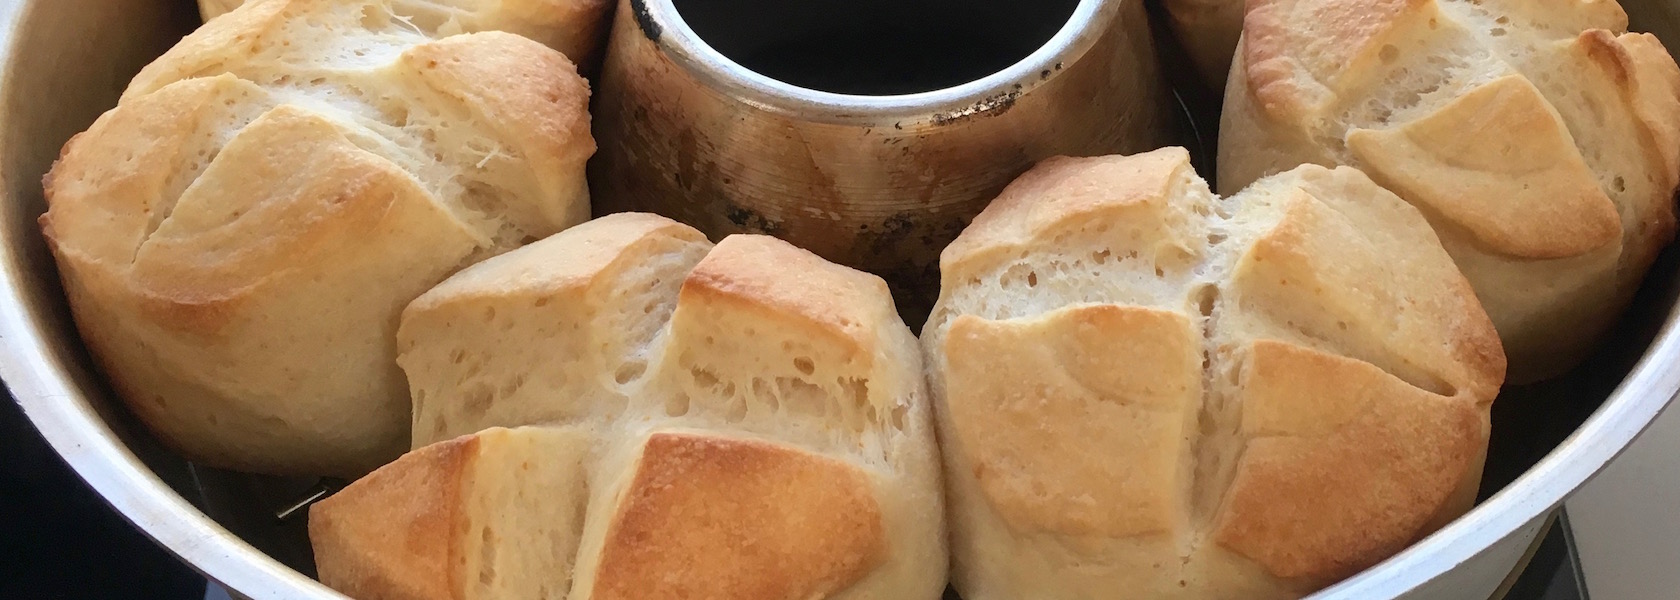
1311	397
777	281
241	232
716	517
545	334
208	49
1344	466
528	93
460	519
1124	381
1524	193
1652	87
1654	92
105	193
804	466
171	274
1297	52
591	249
1061	194
391	535
574	27
1315	425
1326	270
188	267
1541	140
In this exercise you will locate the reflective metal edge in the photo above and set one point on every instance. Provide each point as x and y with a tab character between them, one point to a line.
80	436
1649	388
705	63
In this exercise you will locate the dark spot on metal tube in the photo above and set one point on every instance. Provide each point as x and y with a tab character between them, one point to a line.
650	29
752	221
989	106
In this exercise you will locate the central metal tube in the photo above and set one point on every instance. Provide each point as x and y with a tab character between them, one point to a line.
876	47
869	132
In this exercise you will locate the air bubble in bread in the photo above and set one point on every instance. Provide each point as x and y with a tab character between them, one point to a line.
239	235
1540	139
1140	386
738	421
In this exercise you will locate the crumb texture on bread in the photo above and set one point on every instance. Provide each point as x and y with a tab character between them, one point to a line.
239	235
1539	138
1142	386
756	421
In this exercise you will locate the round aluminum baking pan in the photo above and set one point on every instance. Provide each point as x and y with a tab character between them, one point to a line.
66	61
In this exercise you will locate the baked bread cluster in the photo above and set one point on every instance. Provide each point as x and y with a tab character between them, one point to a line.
1142	387
239	235
576	28
318	234
689	421
1541	139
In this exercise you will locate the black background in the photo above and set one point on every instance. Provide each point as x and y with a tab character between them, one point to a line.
59	540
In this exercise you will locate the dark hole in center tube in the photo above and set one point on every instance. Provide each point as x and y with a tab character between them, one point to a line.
876	47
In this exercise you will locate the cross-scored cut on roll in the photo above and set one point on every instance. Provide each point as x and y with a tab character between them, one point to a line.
1143	387
1540	139
577	28
758	419
437	524
556	334
239	235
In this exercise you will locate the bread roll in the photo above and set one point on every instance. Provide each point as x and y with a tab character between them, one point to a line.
239	235
577	28
431	524
744	421
1539	138
1207	29
1142	387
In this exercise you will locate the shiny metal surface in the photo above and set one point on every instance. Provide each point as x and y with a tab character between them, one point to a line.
66	61
881	183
